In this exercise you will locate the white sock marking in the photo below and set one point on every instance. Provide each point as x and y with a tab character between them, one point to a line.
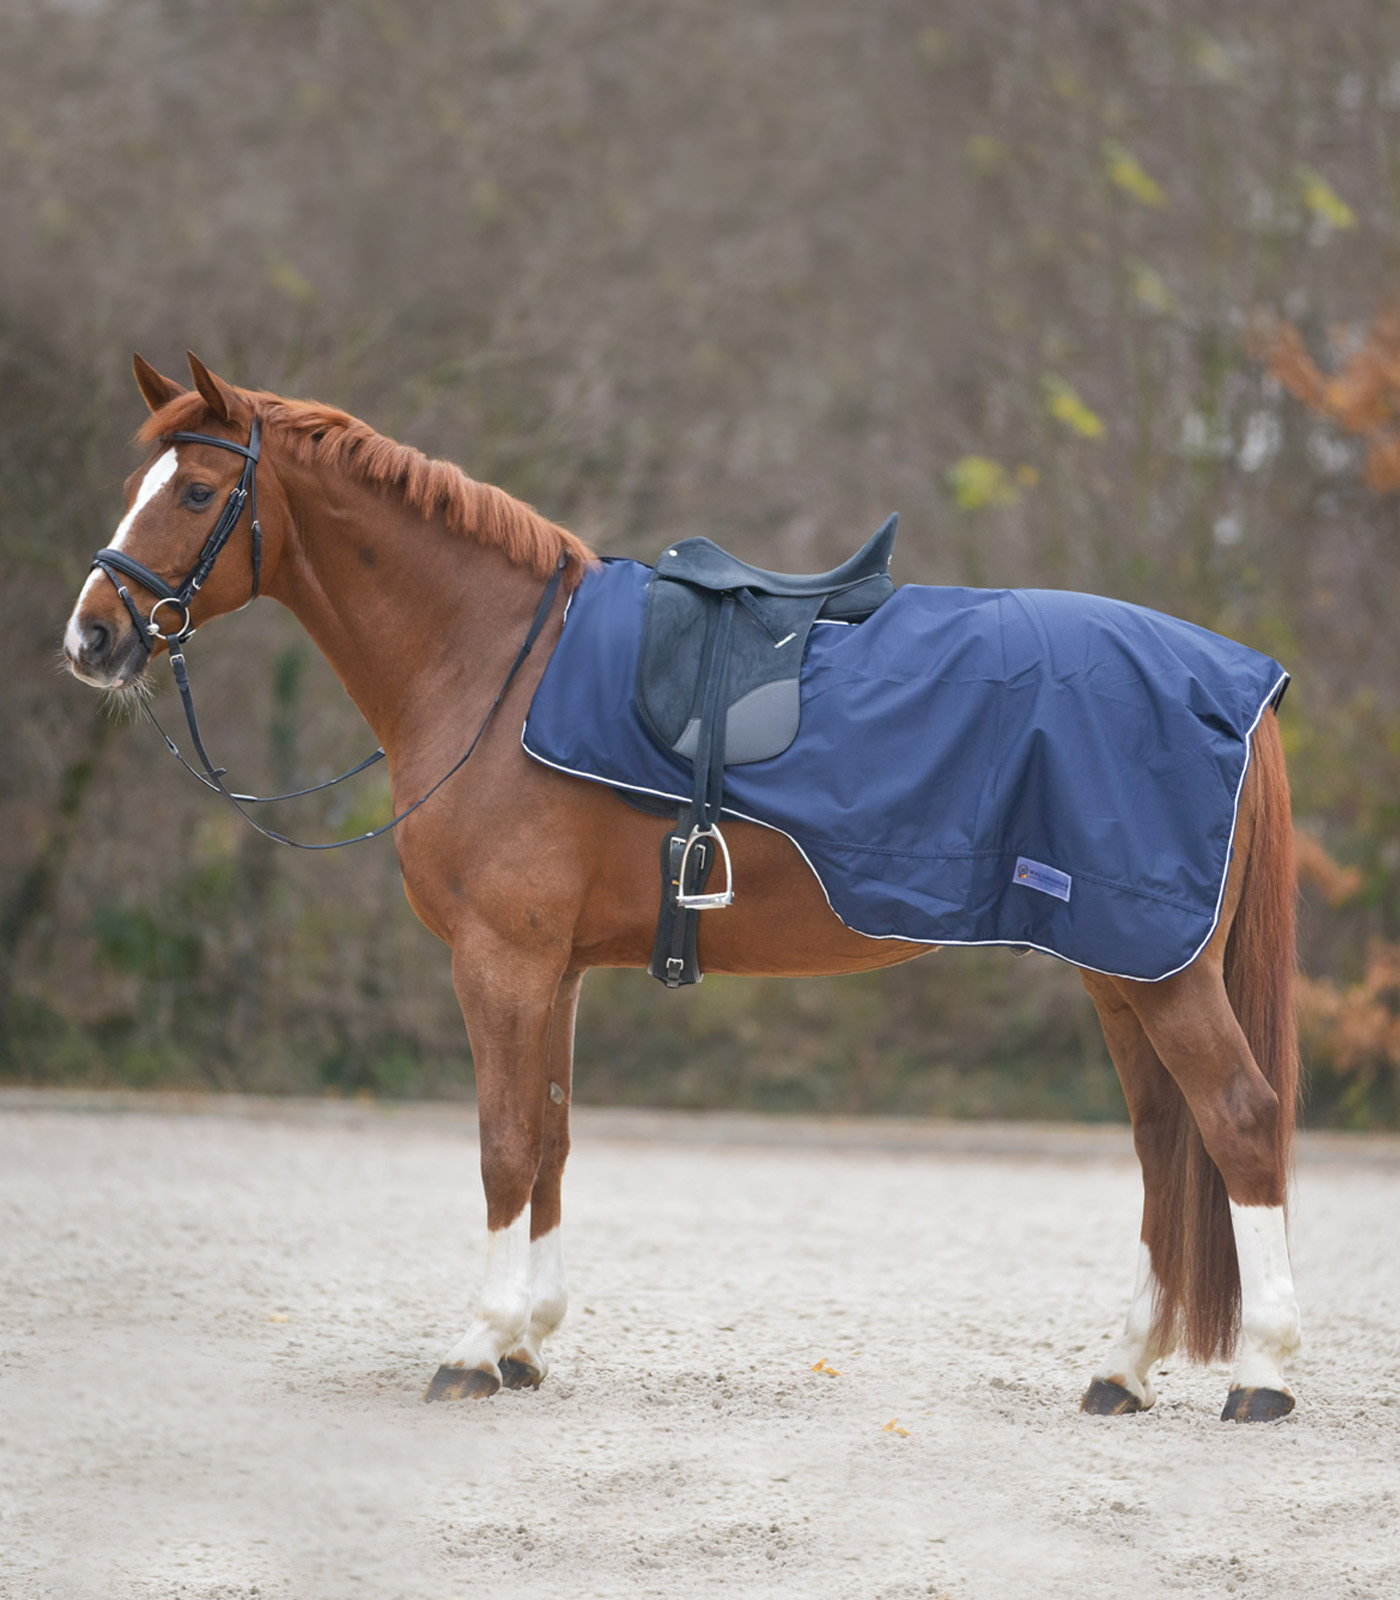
503	1310
1270	1330
1134	1353
549	1288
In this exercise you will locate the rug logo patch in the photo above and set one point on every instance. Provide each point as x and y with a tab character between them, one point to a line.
1036	875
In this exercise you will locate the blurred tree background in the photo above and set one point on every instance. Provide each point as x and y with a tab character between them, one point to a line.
1096	295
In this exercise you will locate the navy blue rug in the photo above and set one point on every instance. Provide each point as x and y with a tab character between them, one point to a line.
973	766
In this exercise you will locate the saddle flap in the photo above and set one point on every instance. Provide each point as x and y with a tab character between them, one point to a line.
760	696
759	724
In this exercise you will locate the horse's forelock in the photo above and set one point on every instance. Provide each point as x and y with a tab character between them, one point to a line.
184	414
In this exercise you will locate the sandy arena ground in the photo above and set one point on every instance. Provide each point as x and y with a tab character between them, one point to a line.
218	1318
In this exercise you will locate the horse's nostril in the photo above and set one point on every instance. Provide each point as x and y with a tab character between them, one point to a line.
97	641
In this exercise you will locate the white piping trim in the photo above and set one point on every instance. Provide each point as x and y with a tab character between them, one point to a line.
957	944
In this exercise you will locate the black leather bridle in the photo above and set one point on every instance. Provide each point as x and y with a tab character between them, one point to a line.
244	492
116	564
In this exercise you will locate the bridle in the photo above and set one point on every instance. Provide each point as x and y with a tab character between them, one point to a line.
244	492
116	564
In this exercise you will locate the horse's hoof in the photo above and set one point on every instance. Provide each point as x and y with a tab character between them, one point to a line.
1256	1405
1105	1398
462	1383
520	1374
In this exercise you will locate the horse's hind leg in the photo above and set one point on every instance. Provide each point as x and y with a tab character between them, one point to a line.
1216	1152
1247	1290
1121	1382
508	1003
524	1367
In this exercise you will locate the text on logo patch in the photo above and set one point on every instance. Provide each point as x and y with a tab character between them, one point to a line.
1036	875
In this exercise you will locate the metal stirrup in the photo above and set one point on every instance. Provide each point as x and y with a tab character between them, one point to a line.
705	902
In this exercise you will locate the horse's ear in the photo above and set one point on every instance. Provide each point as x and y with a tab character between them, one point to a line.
222	398
157	389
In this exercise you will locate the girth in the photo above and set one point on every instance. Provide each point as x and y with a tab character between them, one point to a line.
718	682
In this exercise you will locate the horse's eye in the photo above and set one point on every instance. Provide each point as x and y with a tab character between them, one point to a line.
197	496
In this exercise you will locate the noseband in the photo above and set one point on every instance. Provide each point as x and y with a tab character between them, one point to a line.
245	492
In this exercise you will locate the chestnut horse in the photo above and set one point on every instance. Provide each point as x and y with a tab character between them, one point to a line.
419	586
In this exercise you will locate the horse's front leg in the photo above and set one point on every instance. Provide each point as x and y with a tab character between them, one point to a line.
524	1367
1122	1381
508	1001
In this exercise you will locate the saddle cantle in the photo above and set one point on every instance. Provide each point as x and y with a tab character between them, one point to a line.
718	683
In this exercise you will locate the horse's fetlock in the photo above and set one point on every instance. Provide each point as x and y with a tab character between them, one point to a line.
507	1313
1273	1326
547	1312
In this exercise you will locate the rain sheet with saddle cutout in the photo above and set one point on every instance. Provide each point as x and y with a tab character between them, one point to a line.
1027	767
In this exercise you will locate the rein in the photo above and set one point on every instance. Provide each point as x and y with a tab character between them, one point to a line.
112	562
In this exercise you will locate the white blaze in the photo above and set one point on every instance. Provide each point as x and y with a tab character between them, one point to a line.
158	474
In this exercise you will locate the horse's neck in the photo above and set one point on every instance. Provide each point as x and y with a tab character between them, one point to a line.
412	616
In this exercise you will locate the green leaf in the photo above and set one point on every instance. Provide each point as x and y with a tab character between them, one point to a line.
1126	172
288	280
1213	59
978	482
1323	200
1148	288
1064	404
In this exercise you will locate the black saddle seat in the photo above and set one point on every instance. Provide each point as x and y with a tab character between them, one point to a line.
854	589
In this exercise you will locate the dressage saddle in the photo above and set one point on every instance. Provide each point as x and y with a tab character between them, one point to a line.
718	684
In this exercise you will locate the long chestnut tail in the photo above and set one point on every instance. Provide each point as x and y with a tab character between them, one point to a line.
1261	957
1202	1299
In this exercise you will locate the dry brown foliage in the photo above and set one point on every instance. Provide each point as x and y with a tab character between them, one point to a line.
1359	1022
1362	395
1355	1026
1334	882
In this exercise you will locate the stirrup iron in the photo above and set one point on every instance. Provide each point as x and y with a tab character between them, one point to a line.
705	902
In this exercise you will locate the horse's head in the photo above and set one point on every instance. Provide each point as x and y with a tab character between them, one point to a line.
190	546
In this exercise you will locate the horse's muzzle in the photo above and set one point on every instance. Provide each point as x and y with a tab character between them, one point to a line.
103	653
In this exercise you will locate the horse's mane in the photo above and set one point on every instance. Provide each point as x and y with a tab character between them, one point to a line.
322	436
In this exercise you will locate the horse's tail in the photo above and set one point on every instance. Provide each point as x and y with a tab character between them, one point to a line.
1260	965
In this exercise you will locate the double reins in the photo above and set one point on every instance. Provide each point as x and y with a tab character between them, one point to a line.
116	565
